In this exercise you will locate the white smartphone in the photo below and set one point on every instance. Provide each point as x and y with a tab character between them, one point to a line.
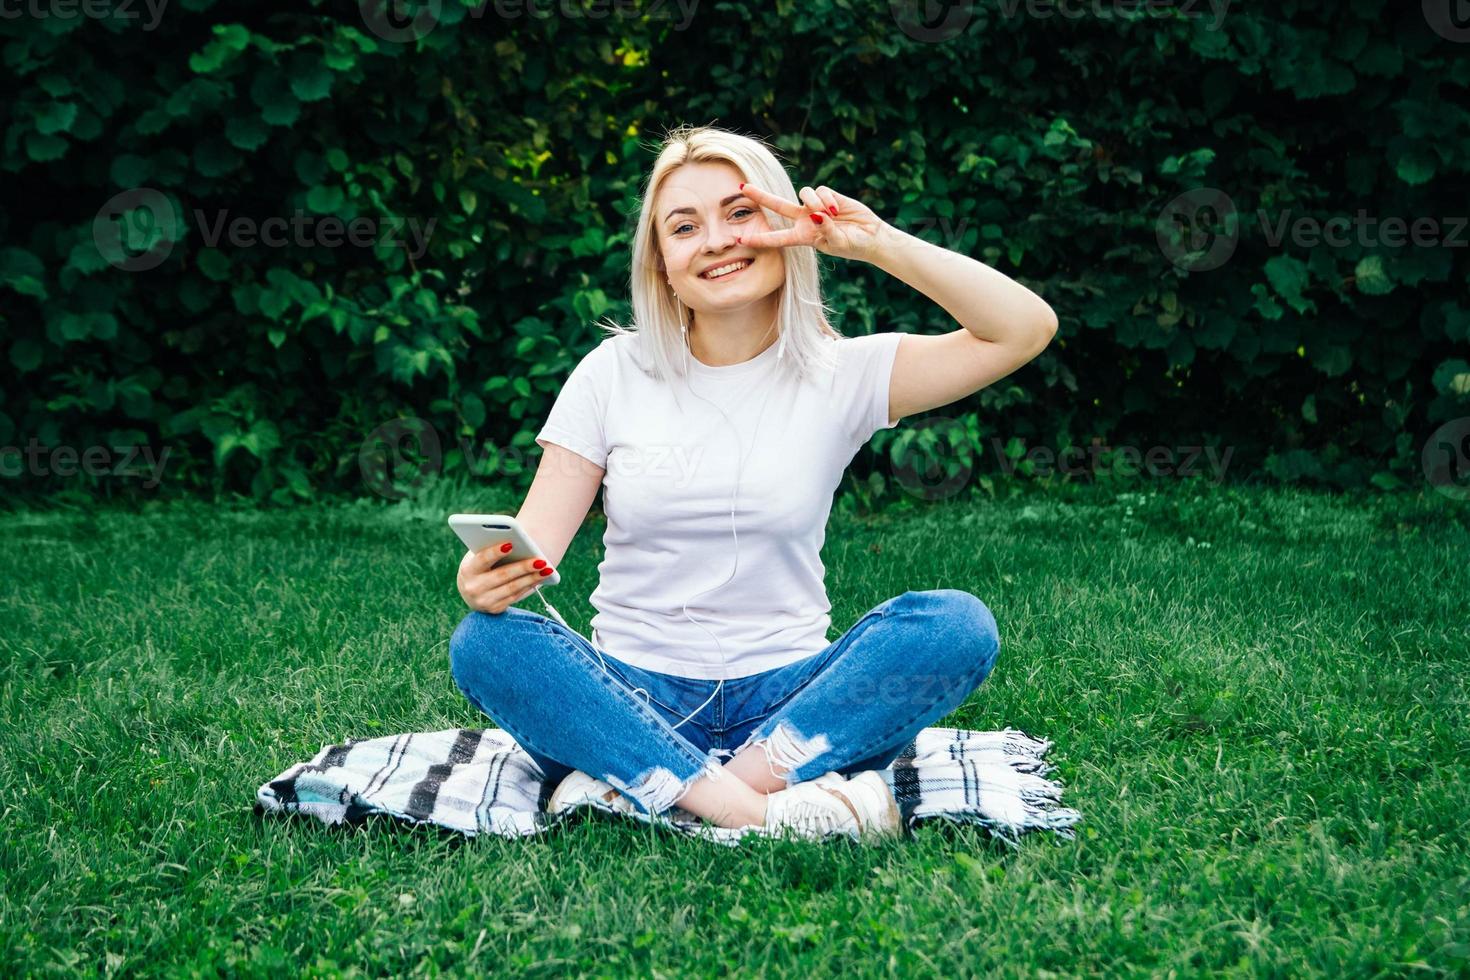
480	531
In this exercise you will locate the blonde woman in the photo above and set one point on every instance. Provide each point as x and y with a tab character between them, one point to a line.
719	429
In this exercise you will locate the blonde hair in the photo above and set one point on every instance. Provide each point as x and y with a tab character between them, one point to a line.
805	335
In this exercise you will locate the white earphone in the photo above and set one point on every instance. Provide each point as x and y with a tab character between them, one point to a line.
743	455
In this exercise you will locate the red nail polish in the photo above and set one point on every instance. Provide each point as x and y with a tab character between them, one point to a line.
539	563
506	547
817	218
833	209
742	186
545	572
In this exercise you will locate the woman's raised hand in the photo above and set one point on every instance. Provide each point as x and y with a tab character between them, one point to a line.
494	590
831	223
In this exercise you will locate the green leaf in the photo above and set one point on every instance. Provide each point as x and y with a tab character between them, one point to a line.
1456	321
57	117
25	355
311	80
325	198
1452	378
467	200
195	98
1266	304
23	272
472	407
26	286
276	335
1417	166
43	149
214	264
339	56
55	84
229	41
248	132
273	303
590	303
214	157
1332	359
1288	276
262	438
278	105
85	257
1372	278
74	326
1386	481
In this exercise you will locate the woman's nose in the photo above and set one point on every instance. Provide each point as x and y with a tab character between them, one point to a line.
721	237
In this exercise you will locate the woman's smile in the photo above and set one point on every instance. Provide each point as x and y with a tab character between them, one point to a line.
729	269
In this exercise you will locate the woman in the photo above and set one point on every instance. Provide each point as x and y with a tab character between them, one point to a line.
720	429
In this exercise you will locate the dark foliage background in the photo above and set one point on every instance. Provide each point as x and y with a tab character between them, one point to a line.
1049	142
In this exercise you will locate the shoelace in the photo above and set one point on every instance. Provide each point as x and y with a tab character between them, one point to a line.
812	815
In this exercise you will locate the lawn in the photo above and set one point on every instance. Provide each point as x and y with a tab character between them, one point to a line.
1258	699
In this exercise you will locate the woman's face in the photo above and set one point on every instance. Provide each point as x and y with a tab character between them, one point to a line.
698	214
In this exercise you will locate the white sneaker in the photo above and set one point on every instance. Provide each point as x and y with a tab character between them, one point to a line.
580	789
857	807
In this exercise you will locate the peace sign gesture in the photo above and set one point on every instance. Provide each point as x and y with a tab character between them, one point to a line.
831	223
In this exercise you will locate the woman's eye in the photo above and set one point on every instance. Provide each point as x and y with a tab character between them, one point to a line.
738	212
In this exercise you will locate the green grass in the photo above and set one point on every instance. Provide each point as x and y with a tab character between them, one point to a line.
1258	699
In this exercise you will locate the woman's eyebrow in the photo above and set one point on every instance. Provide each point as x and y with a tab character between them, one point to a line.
732	197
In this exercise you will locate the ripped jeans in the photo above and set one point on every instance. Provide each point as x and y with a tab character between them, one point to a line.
855	705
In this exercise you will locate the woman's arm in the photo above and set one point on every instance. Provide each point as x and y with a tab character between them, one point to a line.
561	494
1005	325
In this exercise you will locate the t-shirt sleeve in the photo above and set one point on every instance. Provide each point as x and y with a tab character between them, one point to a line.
865	372
575	421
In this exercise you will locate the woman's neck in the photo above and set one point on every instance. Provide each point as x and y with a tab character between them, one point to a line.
720	343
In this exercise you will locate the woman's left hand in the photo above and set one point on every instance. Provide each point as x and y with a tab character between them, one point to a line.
831	223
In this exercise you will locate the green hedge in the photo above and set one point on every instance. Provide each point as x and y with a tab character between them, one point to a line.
1048	141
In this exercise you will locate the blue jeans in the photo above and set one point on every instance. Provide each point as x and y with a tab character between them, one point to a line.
855	705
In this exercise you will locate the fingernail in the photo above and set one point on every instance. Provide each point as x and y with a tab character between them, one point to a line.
506	547
545	572
833	209
539	563
742	186
817	218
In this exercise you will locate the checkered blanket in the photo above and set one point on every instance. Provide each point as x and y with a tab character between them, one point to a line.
477	781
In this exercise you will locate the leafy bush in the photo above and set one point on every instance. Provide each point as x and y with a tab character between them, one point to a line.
253	238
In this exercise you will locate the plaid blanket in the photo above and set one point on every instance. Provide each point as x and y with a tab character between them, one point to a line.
478	781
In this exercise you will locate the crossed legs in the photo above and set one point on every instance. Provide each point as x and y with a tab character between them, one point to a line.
905	664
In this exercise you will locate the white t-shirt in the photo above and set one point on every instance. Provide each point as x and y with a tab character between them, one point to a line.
671	469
